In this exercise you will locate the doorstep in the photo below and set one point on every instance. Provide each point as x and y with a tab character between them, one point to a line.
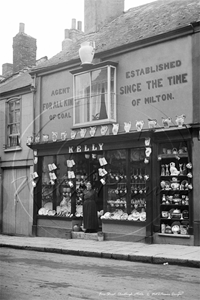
84	236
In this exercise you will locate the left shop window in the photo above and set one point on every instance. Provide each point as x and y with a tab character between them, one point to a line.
13	123
48	188
57	191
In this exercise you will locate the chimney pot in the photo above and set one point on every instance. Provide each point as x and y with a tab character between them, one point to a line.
79	27
73	23
66	36
21	27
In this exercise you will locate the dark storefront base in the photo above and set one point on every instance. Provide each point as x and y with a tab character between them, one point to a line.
127	231
57	227
174	239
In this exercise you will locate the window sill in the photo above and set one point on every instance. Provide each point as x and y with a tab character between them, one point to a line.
13	149
92	124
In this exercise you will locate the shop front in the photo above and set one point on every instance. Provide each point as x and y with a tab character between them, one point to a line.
144	183
126	125
120	171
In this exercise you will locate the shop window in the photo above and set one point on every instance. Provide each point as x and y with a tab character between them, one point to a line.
138	185
175	197
95	96
13	120
63	183
126	185
48	186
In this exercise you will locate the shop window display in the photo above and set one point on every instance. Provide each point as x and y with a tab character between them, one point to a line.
138	178
48	189
126	185
63	183
175	188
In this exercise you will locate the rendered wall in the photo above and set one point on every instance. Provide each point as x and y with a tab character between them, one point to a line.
152	83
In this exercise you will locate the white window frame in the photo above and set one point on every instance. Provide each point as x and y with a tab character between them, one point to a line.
8	135
109	118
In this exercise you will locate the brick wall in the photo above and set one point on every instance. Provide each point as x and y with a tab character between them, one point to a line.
7	69
24	51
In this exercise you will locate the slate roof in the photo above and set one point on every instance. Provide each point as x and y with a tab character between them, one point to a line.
15	82
134	25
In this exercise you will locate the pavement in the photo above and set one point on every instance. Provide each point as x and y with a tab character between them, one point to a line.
136	252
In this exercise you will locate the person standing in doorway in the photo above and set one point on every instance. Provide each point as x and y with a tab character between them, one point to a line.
90	219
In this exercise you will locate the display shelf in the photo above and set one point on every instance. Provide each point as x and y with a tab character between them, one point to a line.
174	219
170	176
167	156
175	190
174	205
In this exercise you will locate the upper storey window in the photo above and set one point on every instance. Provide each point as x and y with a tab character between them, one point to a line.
13	123
95	96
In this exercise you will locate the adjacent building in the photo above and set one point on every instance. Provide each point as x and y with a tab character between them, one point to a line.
16	123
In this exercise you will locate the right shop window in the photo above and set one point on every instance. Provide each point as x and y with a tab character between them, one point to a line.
126	185
175	188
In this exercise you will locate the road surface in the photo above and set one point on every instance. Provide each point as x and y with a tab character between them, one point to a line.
30	275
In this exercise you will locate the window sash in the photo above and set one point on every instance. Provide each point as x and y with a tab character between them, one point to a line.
95	101
13	122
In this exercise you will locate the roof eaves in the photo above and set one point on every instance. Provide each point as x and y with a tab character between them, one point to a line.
18	91
182	31
55	67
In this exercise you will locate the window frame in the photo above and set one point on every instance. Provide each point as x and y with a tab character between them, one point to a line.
109	67
8	136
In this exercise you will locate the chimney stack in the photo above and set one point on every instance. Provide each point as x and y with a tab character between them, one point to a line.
24	50
7	69
67	41
98	13
72	35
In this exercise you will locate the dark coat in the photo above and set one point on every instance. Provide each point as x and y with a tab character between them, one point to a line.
90	219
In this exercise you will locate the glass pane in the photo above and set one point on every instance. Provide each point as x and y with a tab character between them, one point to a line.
11	117
11	106
117	182
112	106
112	77
47	188
112	96
138	184
18	128
17	116
99	95
12	129
82	98
17	104
82	85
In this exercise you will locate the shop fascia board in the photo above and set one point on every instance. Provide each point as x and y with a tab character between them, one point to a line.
131	137
104	55
178	133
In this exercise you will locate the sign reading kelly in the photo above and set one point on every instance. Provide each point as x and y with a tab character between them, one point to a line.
156	82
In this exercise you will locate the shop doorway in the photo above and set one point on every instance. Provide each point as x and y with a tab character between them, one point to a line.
88	167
